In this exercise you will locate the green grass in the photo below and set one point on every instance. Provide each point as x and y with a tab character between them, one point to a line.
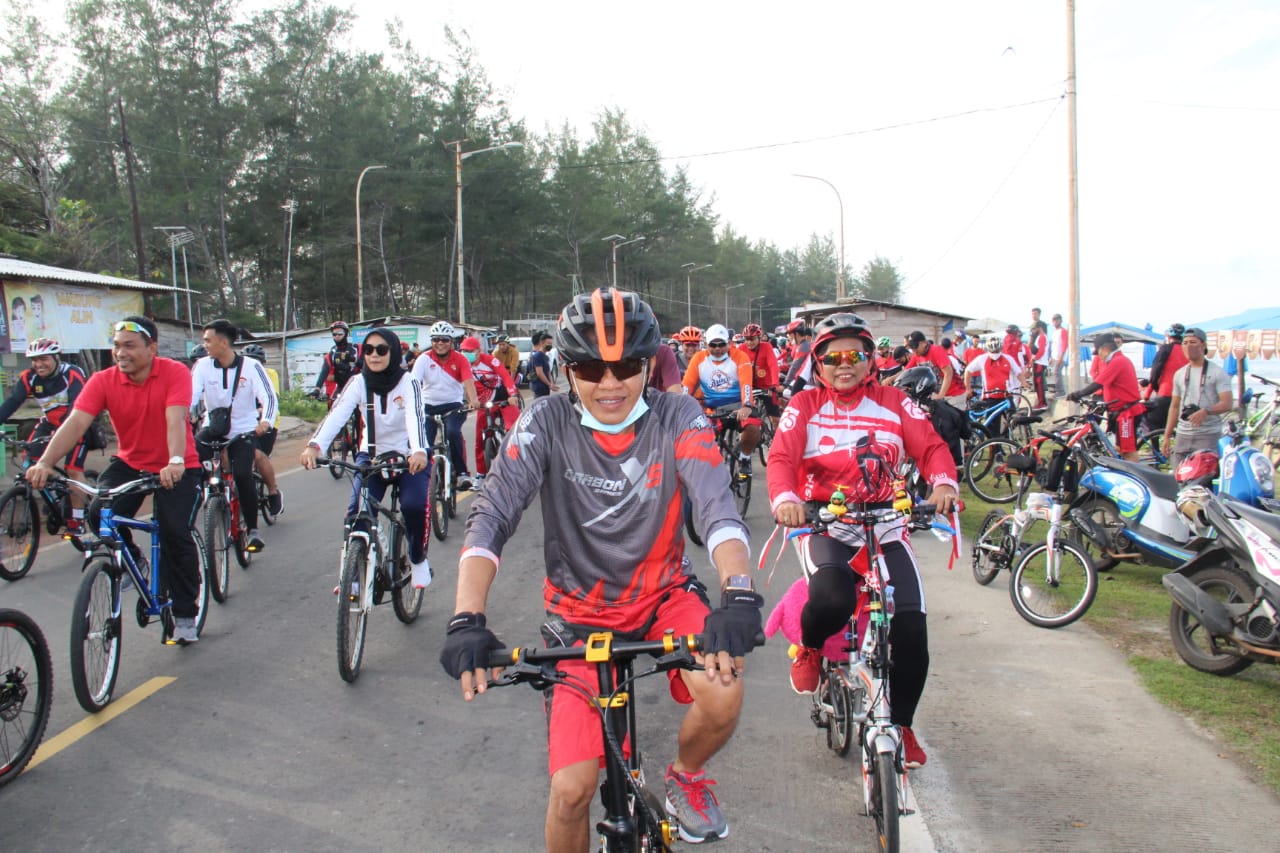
296	404
1132	612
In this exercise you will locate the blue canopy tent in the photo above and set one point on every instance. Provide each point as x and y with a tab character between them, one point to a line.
1256	318
1127	334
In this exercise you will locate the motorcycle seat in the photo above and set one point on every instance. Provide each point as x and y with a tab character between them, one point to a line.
1269	523
1162	485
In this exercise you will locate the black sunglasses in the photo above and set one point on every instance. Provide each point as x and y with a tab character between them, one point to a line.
442	340
380	349
593	371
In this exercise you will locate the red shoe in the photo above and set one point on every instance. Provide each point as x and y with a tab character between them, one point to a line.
912	753
806	670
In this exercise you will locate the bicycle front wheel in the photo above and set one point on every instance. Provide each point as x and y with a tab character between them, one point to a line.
19	532
340	450
405	599
766	439
988	474
26	691
97	633
439	506
884	801
491	446
1053	588
351	616
213	542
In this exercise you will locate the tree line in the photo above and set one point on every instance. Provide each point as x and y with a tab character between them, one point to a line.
204	118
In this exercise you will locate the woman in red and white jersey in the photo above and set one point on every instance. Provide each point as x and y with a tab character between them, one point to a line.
822	435
493	382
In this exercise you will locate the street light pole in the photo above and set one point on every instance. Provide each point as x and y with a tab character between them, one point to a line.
175	236
749	301
291	206
727	288
839	201
359	242
689	269
458	156
619	240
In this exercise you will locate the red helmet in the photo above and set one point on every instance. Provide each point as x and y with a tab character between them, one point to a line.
1198	469
753	330
470	344
795	327
689	335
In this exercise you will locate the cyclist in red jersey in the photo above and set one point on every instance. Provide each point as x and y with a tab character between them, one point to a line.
764	368
825	432
493	382
1118	381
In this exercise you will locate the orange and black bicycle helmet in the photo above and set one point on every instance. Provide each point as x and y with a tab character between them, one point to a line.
607	325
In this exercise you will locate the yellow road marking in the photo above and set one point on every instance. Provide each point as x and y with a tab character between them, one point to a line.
52	746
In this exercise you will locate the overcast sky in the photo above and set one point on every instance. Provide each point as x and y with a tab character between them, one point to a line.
1178	113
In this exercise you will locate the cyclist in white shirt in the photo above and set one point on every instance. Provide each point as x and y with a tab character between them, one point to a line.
445	377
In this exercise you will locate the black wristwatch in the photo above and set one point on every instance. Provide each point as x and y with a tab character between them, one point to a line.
738	583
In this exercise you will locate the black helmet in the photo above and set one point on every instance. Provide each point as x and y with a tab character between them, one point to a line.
255	351
606	325
841	325
198	352
1177	330
920	383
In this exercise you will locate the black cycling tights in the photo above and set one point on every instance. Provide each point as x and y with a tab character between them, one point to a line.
833	592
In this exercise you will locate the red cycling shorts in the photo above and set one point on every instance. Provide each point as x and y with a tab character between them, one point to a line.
573	725
1127	429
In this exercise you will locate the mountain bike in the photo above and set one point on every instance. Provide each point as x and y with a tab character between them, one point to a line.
1263	421
26	691
20	520
854	692
495	430
444	483
97	618
224	529
767	428
1052	583
634	818
729	440
346	442
375	561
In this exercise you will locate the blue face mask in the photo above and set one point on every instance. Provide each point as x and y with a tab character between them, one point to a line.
590	422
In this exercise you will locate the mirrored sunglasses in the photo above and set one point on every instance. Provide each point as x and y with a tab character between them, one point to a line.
380	349
593	371
834	358
130	326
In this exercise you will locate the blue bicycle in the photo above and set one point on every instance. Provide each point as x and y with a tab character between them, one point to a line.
97	620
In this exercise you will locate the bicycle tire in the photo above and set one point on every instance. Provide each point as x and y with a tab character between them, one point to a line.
689	529
96	635
491	446
1053	602
264	499
352	619
215	545
987	475
406	600
990	552
884	801
24	659
439	507
338	449
840	724
766	439
742	490
203	592
19	532
243	555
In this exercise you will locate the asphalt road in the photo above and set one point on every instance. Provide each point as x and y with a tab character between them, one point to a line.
1037	739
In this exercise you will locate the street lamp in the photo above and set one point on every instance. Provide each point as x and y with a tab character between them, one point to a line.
619	240
359	267
689	269
458	156
175	236
749	301
840	201
727	288
291	207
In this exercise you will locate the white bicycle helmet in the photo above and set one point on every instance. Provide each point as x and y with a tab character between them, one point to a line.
43	346
442	329
992	343
716	332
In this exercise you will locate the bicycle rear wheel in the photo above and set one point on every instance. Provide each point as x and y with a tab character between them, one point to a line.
352	618
1053	588
340	449
26	691
988	474
217	556
96	635
19	532
840	724
884	800
264	499
992	548
405	599
439	506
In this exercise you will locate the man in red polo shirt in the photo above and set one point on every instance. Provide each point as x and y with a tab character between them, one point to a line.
950	387
147	398
1118	382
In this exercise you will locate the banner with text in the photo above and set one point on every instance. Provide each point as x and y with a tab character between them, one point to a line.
76	317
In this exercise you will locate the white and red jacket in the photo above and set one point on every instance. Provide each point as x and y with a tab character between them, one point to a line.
490	374
1000	373
813	451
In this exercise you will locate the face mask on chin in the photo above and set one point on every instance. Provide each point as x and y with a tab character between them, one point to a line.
724	356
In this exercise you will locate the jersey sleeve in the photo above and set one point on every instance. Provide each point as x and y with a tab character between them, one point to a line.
178	383
349	398
266	395
93	398
16	398
415	424
786	453
704	477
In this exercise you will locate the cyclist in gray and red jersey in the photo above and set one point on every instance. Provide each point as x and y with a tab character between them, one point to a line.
612	462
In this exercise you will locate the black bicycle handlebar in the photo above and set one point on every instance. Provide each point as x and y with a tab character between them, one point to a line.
1265	381
227	441
600	648
396	466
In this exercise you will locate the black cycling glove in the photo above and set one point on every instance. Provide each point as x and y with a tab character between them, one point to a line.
736	627
468	644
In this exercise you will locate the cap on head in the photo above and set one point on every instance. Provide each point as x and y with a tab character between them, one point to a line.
916	338
1106	339
716	334
470	344
1196	332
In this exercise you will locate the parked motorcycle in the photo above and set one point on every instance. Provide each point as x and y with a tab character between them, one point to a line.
1128	511
1226	598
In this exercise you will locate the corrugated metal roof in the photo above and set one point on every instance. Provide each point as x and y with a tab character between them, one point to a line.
13	268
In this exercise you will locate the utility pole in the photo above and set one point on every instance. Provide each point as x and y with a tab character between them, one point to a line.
1073	202
290	206
133	203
